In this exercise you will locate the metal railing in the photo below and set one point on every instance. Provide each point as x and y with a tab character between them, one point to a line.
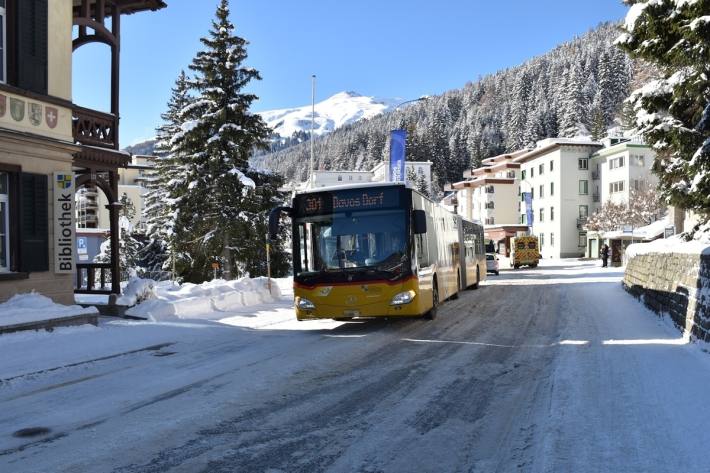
595	198
595	175
581	222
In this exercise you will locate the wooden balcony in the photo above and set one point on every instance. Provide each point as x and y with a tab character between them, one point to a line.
94	128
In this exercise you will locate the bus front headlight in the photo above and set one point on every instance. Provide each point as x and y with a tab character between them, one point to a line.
403	298
305	304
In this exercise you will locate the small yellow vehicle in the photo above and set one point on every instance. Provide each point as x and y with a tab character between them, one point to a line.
525	252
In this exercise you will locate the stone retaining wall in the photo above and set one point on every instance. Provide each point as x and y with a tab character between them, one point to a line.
675	284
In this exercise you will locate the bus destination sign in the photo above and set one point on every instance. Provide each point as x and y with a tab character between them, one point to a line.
348	200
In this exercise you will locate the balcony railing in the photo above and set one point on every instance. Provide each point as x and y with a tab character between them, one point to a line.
86	278
581	222
95	128
595	197
595	175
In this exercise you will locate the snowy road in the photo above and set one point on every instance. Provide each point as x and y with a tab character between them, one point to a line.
553	369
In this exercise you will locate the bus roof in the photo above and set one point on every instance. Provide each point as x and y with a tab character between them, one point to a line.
362	185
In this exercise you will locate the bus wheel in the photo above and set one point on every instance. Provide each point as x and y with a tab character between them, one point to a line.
458	287
478	277
431	315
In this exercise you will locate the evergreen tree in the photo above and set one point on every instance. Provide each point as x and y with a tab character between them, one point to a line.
673	113
219	210
164	179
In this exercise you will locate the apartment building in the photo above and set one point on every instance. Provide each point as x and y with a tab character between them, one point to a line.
50	146
557	176
619	168
416	172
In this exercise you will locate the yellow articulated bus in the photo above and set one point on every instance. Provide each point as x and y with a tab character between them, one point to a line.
378	250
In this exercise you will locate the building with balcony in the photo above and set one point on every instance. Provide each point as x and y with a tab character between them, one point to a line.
557	176
50	147
490	194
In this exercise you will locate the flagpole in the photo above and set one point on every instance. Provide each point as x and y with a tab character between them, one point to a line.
313	121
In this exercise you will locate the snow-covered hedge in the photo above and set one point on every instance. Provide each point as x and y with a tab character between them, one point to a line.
167	300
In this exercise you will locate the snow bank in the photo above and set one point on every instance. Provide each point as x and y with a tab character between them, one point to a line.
33	307
668	245
136	291
169	300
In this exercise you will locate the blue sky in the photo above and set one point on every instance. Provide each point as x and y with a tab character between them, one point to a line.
385	48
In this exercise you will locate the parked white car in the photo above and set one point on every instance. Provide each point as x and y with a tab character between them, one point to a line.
492	263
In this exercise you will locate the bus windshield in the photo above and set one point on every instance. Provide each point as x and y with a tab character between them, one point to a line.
352	240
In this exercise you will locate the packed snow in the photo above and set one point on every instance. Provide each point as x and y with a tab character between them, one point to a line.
167	300
579	377
33	307
674	244
339	110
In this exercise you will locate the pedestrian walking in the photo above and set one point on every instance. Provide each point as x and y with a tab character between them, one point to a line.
605	255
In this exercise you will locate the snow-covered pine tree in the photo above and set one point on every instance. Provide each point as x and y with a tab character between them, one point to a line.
573	105
217	213
673	113
166	181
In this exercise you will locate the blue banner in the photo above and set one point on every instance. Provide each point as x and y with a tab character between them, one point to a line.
398	140
527	196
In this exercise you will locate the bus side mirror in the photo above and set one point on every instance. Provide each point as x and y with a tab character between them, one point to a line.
419	222
274	218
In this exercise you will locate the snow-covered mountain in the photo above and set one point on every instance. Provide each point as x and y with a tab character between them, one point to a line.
330	114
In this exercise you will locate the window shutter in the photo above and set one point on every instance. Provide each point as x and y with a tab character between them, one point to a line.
32	38
34	226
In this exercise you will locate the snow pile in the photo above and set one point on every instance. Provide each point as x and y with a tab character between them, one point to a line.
33	307
170	300
136	291
673	244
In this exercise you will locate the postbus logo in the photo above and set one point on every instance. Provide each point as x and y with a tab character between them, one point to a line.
64	181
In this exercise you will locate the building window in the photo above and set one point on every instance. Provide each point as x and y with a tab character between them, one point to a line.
583	211
490	205
532	172
542	240
490	221
583	163
541	169
350	178
542	215
552	214
542	191
522	219
4	222
490	190
583	187
616	163
552	239
615	187
340	178
522	174
638	160
532	193
582	240
3	28
552	188
552	166
511	174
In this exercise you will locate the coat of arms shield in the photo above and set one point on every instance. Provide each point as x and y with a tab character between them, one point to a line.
51	115
35	115
17	109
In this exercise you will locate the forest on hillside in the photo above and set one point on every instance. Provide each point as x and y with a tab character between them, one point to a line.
578	88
